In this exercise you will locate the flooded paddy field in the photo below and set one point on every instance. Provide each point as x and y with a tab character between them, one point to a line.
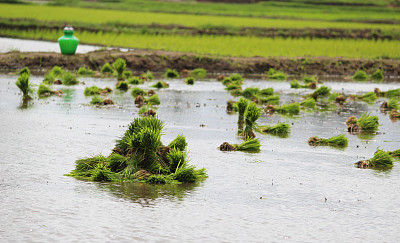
289	191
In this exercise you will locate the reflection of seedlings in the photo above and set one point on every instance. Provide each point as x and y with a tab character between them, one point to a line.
394	114
338	141
119	66
221	77
122	85
107	70
69	79
147	76
198	73
321	92
135	80
272	74
189	81
242	106
360	75
378	75
308	103
251	116
24	85
137	91
171	74
153	100
142	157
85	71
381	160
393	104
160	85
250	145
278	129
365	123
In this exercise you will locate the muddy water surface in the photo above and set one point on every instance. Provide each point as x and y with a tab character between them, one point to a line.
287	192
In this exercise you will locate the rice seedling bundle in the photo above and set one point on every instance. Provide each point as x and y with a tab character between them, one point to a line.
339	141
360	75
308	103
119	66
293	108
198	73
368	122
393	104
171	74
378	75
281	128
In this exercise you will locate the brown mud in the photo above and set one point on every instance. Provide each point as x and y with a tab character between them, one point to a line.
160	61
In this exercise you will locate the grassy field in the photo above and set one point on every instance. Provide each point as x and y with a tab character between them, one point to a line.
230	45
354	10
74	15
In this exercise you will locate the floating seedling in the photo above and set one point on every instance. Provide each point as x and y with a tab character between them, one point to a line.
94	90
135	80
189	81
140	156
250	145
119	66
48	78
381	160
393	104
251	116
236	78
336	141
147	111
86	71
250	92
233	86
273	100
198	73
24	85
278	129
267	91
44	91
171	74
139	100
122	85
137	91
160	85
310	79
57	72
242	106
392	93
294	84
337	98
365	123
369	97
24	70
360	76
394	114
395	154
107	70
272	74
97	100
231	105
308	103
321	92
292	109
227	81
69	78
147	76
378	75
153	100
127	74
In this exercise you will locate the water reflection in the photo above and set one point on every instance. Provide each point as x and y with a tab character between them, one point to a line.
147	194
69	95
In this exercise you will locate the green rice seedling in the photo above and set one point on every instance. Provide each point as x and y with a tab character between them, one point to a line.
135	80
242	106
88	164
267	91
250	92
360	76
308	103
395	153
369	97
57	72
310	79
160	85
119	66
171	74
338	141
178	143
93	90
189	174
227	81
295	84
24	70
393	104
107	69
378	75
153	100
198	73
101	173
48	78
272	74
158	179
69	79
43	90
177	159
24	85
127	74
381	160
236	92
137	91
236	78
96	100
392	93
85	71
148	76
332	96
394	114
189	81
146	110
281	128
233	86
122	85
250	145
293	108
368	123
273	100
251	116
116	162
321	92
